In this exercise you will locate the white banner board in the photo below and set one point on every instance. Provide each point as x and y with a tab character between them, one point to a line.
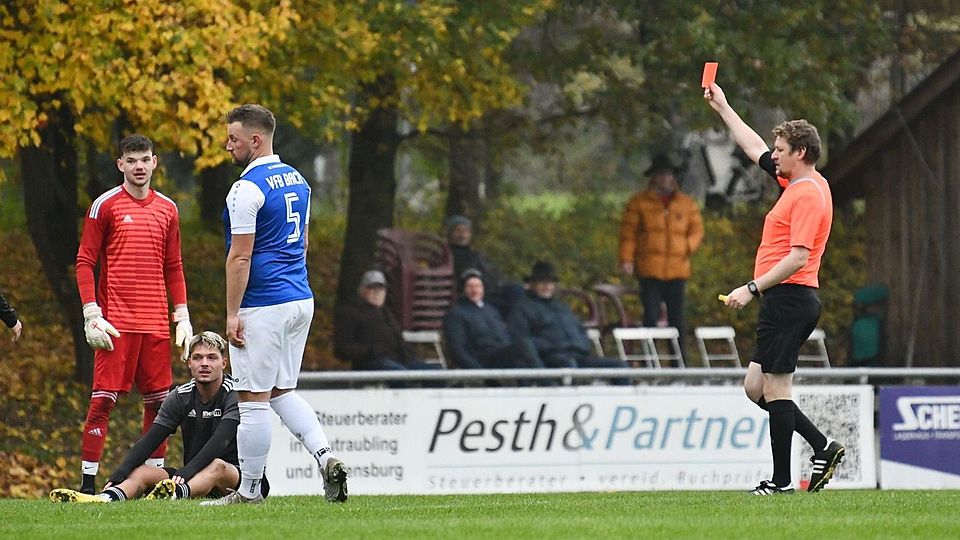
581	438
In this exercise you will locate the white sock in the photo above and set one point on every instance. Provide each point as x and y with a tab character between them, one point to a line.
89	467
154	462
301	420
253	445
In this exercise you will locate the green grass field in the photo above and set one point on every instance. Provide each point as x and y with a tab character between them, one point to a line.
706	515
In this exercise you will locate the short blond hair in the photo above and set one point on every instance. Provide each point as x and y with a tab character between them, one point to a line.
210	339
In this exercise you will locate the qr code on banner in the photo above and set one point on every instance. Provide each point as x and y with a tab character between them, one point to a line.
837	415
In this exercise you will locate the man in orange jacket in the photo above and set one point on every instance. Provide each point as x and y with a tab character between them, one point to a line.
660	228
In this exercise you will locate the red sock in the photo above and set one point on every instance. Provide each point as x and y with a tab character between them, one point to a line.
151	406
95	428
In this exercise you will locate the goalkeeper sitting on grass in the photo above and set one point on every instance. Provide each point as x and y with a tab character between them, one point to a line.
205	409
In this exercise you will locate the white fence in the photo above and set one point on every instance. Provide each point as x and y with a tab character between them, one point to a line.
643	375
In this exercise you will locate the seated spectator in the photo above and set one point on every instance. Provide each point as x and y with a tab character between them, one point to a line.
476	335
368	336
497	291
551	328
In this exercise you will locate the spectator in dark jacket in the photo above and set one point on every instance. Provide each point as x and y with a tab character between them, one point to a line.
498	291
368	336
9	317
476	335
548	324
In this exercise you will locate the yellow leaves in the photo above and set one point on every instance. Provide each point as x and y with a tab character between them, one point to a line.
173	69
170	68
506	36
58	51
624	69
582	86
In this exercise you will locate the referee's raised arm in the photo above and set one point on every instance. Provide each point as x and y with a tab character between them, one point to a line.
749	141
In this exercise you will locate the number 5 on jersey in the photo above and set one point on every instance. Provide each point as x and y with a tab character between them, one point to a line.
293	217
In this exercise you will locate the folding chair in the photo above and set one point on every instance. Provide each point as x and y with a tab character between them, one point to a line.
594	335
717	333
647	339
427	337
616	305
583	305
420	281
817	342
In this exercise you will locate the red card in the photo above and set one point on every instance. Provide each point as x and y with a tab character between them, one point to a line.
709	74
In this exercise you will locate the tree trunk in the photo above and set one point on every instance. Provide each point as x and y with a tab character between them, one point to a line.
215	182
466	165
50	199
493	174
102	173
373	188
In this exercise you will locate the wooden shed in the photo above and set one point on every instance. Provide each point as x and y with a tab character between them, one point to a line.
906	167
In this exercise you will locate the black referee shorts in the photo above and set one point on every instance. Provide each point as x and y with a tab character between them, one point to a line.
788	314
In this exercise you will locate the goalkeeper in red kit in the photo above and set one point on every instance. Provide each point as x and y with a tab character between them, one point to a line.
133	232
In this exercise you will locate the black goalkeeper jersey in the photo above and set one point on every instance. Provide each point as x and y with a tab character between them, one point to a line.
197	420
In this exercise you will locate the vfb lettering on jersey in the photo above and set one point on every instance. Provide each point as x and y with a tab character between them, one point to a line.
289	178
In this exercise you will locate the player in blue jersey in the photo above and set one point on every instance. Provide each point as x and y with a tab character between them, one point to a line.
269	303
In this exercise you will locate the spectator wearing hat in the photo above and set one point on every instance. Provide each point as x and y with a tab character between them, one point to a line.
550	327
476	335
367	335
660	229
501	293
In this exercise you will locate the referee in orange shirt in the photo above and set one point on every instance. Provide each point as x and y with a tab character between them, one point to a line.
785	280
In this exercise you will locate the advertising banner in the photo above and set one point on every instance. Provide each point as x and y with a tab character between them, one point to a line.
580	438
920	437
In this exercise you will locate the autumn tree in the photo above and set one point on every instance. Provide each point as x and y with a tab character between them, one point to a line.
925	32
633	68
389	71
69	71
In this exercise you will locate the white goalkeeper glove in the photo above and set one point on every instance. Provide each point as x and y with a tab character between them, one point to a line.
96	328
184	329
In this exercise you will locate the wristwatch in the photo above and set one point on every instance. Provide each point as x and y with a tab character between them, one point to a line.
752	287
